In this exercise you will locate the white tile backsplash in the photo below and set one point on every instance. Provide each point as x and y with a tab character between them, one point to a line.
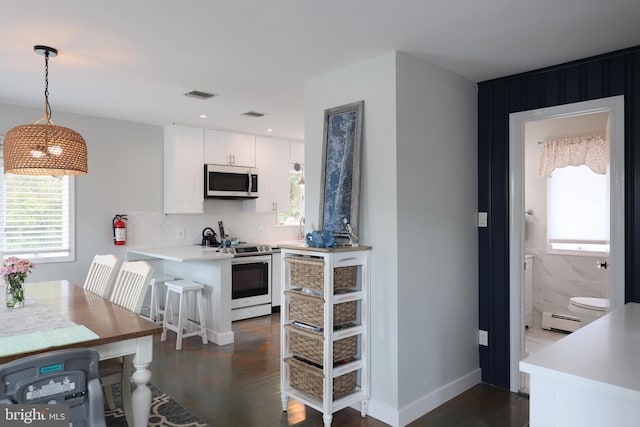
155	229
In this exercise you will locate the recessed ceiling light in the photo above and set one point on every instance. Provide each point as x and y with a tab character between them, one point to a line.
203	116
269	130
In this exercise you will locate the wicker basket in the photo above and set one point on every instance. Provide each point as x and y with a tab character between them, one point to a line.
309	309
308	272
310	345
308	379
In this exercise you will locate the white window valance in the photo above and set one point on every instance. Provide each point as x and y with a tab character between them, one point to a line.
590	150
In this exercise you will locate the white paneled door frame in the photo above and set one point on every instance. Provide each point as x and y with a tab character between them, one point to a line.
615	106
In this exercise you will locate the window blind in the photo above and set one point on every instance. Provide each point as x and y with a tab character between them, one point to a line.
36	216
577	206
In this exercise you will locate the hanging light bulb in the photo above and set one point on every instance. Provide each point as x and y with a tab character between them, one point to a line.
43	148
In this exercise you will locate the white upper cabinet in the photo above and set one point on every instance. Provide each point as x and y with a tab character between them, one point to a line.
187	149
296	152
224	148
272	161
215	147
183	169
242	149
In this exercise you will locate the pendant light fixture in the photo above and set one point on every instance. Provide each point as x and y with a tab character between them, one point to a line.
43	148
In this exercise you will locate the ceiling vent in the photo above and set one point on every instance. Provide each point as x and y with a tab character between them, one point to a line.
253	114
198	94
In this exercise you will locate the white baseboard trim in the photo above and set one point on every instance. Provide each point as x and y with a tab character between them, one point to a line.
424	404
382	412
220	338
431	401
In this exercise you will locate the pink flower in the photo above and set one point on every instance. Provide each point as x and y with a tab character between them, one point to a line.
16	269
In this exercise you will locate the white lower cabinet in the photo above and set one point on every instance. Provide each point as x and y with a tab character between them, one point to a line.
325	328
276	279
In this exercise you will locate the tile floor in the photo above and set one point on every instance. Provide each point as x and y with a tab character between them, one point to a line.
535	340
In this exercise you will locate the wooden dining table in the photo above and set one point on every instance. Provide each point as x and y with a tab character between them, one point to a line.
119	332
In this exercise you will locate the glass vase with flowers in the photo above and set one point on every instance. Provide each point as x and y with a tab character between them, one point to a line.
14	272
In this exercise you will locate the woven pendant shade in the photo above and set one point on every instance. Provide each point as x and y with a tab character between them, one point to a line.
44	149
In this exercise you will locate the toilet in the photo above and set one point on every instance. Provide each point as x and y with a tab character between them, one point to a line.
588	309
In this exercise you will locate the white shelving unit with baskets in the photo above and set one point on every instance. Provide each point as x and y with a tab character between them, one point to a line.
325	328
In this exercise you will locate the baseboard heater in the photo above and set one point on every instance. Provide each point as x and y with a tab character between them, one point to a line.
559	322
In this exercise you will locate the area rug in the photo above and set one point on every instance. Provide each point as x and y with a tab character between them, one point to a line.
164	411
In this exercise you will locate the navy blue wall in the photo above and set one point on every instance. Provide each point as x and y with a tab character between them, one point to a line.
616	73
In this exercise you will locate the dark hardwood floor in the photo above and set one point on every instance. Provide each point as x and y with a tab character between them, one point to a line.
238	385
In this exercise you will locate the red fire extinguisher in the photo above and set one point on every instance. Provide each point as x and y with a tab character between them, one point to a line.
119	229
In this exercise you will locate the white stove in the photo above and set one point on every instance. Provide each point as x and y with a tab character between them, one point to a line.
247	249
250	280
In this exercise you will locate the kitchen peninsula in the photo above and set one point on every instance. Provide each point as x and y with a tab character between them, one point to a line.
590	377
199	264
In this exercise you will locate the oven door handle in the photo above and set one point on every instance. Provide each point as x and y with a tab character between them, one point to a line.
252	259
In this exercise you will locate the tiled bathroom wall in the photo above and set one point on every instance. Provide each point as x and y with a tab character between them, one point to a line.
556	278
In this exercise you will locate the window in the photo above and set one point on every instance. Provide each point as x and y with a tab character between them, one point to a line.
36	216
296	199
578	210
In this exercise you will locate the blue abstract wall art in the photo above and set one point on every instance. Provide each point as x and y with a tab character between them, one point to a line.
341	168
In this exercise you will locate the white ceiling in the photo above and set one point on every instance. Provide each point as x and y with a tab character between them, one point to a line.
132	60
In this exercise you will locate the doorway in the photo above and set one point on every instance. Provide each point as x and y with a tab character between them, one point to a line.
614	106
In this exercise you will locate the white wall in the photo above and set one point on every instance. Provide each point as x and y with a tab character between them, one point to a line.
417	210
374	82
126	176
437	231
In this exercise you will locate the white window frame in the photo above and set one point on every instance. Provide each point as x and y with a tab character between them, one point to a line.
281	215
50	256
595	245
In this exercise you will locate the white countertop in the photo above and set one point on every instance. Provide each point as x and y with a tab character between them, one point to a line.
604	354
279	243
182	253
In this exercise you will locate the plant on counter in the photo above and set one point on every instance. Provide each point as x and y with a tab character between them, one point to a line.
14	272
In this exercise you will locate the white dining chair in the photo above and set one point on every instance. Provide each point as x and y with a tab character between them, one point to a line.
131	285
101	273
129	292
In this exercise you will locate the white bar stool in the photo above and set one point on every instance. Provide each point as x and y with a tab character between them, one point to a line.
154	301
182	287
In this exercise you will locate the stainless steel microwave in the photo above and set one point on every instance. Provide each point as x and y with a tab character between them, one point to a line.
230	182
